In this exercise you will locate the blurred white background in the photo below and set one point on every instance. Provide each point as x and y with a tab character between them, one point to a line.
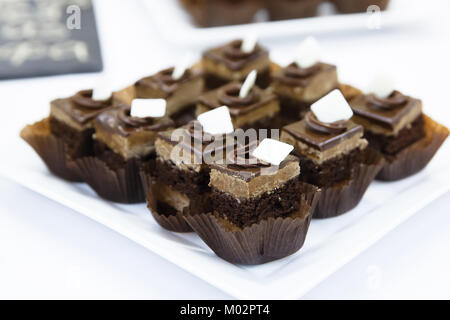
49	251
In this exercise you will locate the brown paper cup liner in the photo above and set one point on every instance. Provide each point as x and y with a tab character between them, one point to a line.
416	157
51	149
268	240
175	223
146	180
343	197
123	185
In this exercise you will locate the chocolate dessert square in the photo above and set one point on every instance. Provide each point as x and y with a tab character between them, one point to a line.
183	156
180	94
256	110
182	168
297	88
327	152
71	119
210	13
246	190
229	63
390	124
120	137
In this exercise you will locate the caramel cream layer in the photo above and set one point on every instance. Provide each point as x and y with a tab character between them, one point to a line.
318	156
241	189
319	85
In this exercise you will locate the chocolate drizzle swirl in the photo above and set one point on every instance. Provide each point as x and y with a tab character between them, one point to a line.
294	75
194	131
241	158
84	99
163	80
233	51
229	96
395	100
327	128
147	123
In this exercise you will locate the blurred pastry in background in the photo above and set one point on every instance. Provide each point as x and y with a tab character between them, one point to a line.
354	6
234	61
292	9
210	13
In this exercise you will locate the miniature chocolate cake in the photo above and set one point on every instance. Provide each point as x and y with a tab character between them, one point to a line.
390	124
327	152
180	94
243	194
297	88
182	168
256	110
71	119
230	63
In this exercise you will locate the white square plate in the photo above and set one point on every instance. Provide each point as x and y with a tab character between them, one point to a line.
174	24
329	245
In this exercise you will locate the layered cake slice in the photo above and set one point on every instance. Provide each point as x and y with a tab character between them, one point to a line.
180	180
333	154
260	210
392	121
179	88
71	119
234	61
124	141
303	82
247	190
328	151
256	108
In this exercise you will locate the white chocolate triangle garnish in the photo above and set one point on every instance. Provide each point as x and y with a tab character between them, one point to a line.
249	43
217	121
331	108
308	53
381	86
248	84
272	151
148	108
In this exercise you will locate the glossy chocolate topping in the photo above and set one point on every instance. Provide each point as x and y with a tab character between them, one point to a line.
84	99
163	80
319	139
395	100
241	157
229	96
326	128
194	130
233	57
119	121
388	112
293	75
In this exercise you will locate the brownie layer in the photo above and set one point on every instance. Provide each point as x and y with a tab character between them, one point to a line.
292	109
79	143
114	160
277	203
171	202
213	81
391	145
187	181
329	172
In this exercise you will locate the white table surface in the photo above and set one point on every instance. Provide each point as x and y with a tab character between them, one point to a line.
49	251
